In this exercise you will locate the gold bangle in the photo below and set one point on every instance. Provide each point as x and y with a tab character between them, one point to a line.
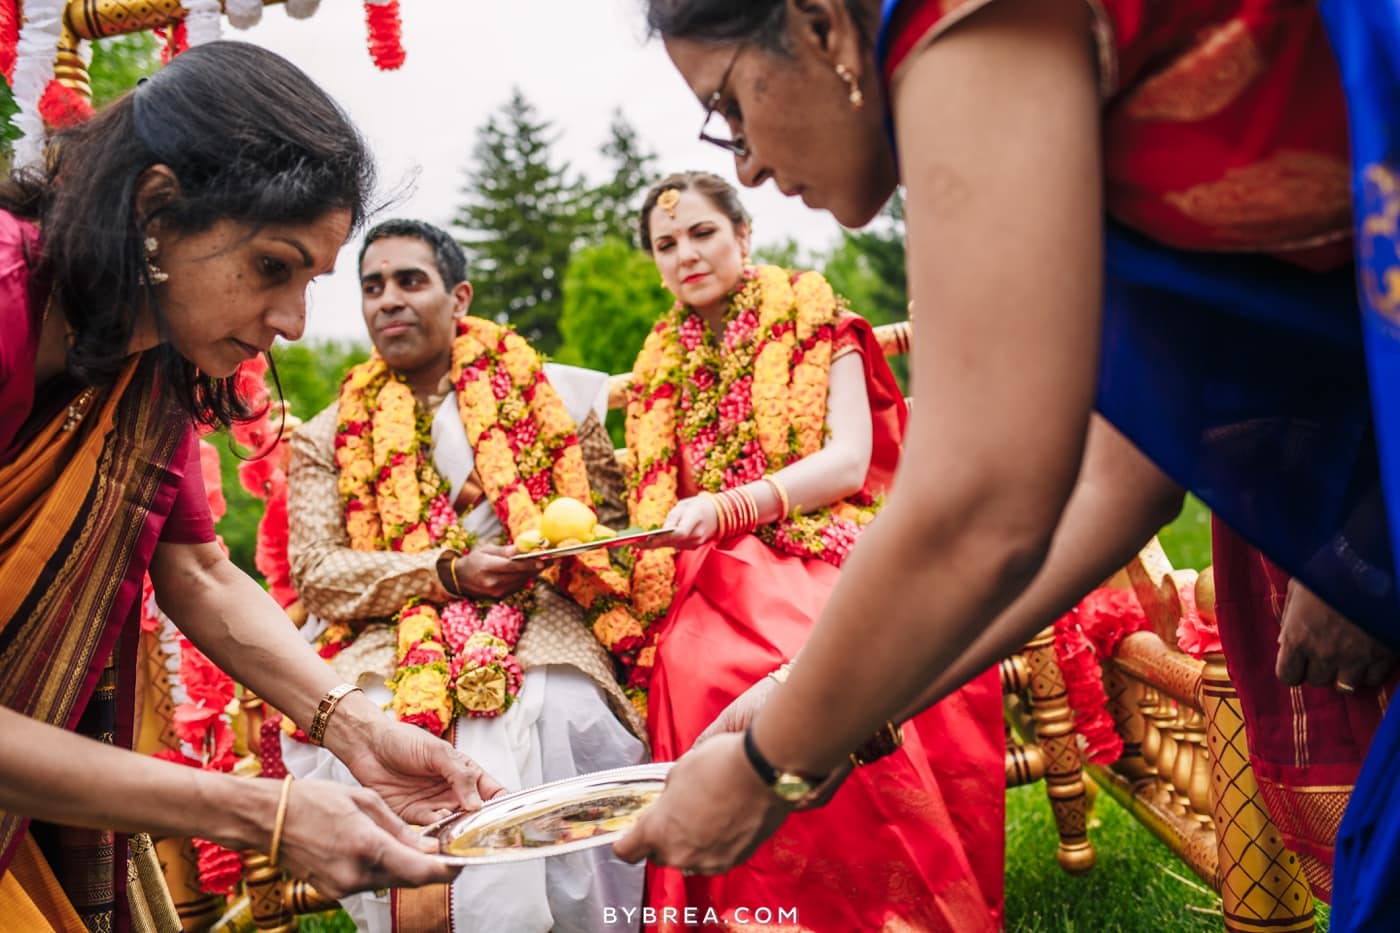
456	584
780	673
317	733
719	512
887	740
747	507
276	848
446	571
784	508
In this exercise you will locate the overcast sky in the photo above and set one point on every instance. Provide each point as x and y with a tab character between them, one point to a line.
576	60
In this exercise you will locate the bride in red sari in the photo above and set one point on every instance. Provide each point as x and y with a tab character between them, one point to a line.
764	426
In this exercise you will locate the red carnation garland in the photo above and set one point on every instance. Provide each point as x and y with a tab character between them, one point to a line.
385	34
9	37
265	476
61	106
176	39
1084	637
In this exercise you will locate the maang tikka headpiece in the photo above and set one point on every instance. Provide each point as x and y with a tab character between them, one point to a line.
667	201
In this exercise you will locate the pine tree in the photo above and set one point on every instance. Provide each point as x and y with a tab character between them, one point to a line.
520	221
612	206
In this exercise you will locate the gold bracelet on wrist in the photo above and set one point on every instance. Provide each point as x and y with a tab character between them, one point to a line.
447	572
317	733
887	740
456	584
721	514
275	849
784	507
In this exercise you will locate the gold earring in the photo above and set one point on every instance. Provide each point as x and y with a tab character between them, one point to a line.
856	97
153	271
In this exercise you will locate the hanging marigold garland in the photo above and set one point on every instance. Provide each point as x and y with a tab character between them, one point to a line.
739	406
457	658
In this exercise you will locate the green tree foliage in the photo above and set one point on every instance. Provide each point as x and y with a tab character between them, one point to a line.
612	298
611	208
520	222
310	373
118	63
867	267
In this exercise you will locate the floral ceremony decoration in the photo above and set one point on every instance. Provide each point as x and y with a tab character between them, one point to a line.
1085	637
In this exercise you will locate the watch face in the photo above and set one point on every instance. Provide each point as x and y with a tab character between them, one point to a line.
791	787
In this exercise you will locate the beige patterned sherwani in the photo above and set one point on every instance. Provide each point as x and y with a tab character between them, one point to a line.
366	588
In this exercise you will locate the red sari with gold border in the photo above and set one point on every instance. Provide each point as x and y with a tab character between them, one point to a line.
914	840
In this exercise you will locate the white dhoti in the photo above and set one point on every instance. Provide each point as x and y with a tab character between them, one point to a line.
560	726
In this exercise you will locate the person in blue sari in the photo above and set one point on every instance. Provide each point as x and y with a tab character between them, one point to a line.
1165	190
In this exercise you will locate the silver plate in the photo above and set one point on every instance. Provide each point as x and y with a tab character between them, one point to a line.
626	536
544	820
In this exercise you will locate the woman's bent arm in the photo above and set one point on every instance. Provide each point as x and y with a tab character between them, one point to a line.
1005	251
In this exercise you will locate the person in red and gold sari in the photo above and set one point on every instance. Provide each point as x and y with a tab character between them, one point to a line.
170	239
1131	226
763	426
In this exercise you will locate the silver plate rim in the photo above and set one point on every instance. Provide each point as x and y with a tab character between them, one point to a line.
532	797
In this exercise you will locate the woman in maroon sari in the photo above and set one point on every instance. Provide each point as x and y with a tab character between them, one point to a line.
172	237
764	426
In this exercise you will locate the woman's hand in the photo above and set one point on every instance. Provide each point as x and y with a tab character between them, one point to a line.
346	839
1320	646
420	777
692	522
712	815
740	712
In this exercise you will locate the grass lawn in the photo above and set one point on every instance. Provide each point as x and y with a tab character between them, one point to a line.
1136	885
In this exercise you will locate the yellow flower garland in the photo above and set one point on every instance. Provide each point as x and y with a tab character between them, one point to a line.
779	334
527	453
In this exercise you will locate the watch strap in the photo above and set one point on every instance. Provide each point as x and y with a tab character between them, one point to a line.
766	772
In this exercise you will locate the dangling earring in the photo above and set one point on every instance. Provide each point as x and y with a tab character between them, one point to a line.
856	97
153	271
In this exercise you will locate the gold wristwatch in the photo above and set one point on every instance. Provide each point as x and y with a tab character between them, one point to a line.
789	785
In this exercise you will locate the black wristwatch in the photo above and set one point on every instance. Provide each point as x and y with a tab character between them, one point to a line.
789	785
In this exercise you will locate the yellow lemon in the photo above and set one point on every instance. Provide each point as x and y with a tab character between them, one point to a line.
529	540
566	518
602	532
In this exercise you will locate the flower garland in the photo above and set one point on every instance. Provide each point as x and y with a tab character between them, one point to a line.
527	453
457	658
264	476
35	50
1197	631
741	406
385	34
203	21
1085	637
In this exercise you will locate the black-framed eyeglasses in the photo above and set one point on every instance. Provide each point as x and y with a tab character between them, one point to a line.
734	143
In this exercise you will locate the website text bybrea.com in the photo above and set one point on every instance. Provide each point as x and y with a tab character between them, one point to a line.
695	916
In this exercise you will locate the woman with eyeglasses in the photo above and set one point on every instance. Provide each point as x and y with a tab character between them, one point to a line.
763	426
1129	226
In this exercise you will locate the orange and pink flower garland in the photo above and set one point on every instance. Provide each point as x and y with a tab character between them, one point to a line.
457	658
738	407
